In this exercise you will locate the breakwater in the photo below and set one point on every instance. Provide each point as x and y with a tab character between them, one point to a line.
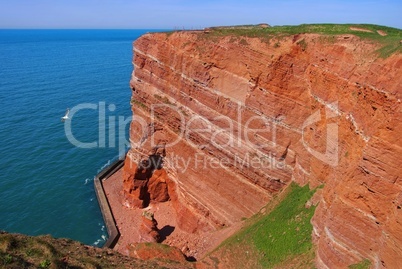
112	230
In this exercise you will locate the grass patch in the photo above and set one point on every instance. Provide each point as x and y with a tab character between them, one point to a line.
138	103
161	247
6	258
277	238
365	264
389	49
164	100
286	232
44	264
20	251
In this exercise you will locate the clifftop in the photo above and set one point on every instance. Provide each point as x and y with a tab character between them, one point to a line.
389	39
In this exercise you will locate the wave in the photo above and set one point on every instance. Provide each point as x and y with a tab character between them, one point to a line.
103	238
104	166
110	161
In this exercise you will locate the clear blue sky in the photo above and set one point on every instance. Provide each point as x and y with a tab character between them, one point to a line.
171	14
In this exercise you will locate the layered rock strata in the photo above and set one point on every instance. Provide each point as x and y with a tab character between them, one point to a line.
242	117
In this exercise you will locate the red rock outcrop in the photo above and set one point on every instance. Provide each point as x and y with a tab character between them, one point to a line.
149	231
144	182
158	186
242	117
157	252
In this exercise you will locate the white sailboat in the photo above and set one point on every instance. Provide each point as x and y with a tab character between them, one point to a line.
65	117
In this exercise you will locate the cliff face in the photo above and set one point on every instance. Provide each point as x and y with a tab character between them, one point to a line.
242	117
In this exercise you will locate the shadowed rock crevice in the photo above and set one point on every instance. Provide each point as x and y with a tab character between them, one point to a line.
147	183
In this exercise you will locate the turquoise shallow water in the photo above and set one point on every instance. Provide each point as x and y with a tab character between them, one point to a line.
46	182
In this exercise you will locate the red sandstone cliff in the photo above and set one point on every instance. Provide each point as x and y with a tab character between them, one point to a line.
242	117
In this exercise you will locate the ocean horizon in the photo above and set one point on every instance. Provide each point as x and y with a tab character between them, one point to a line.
48	166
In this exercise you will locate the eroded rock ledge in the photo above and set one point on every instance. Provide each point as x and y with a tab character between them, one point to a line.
242	117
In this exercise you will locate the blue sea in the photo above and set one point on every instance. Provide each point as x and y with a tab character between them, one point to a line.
48	166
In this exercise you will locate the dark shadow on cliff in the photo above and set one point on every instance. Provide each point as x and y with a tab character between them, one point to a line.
165	232
191	259
145	170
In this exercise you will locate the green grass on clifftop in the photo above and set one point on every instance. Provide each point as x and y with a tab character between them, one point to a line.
280	238
391	42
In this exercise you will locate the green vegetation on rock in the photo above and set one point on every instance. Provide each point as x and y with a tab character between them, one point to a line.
279	238
138	103
365	264
389	38
22	251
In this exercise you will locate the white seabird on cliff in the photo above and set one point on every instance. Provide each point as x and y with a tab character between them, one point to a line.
65	117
